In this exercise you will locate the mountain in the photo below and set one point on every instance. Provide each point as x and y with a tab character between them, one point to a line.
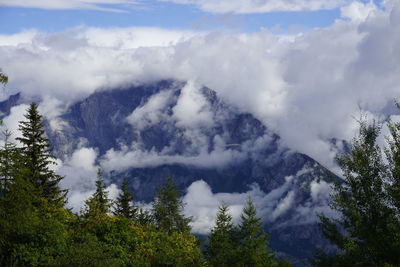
180	130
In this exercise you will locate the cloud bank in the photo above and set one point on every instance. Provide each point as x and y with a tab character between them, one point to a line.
306	89
282	205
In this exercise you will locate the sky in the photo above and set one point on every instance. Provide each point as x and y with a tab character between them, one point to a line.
238	15
305	68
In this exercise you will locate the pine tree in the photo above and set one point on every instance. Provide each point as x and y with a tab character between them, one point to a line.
98	204
37	158
168	209
9	159
368	231
221	247
124	207
252	240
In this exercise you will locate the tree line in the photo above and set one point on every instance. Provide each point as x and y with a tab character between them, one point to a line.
36	228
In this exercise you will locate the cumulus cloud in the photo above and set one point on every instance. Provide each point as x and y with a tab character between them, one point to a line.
306	89
69	4
260	6
358	11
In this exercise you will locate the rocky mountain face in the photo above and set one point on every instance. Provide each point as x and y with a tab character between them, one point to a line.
175	129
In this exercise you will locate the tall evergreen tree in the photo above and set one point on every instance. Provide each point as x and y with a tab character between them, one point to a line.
252	240
368	230
221	248
30	234
9	159
98	204
37	157
124	203
168	209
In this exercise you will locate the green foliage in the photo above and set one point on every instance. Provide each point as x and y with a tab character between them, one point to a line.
124	207
33	230
168	210
3	78
252	239
220	250
29	236
368	231
10	157
37	158
37	230
99	204
144	217
242	245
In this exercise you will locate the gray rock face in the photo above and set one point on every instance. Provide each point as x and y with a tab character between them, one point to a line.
228	149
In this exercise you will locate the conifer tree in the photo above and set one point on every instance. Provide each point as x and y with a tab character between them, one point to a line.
253	240
9	159
124	207
368	230
221	248
37	157
98	204
168	209
144	217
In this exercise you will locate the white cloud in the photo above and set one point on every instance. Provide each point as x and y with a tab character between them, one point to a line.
136	157
129	38
24	37
192	109
152	112
11	122
307	89
202	204
69	4
284	205
320	191
358	11
261	6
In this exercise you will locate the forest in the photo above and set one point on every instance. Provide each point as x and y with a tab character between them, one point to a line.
36	228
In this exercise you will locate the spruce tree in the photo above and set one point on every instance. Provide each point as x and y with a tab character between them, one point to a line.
168	209
98	204
37	157
367	232
124	207
252	240
221	248
9	159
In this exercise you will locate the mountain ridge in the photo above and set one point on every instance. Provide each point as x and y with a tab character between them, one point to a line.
227	149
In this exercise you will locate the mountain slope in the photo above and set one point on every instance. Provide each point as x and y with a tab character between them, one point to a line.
180	130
